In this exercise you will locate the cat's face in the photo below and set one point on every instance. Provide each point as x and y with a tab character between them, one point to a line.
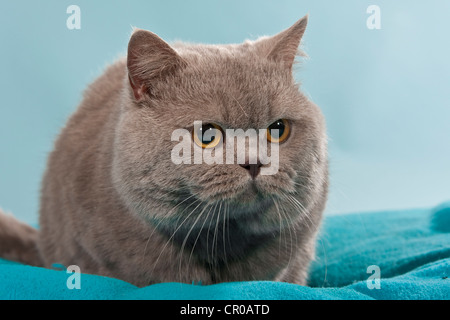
247	86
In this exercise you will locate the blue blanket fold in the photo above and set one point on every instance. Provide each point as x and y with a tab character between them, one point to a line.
409	248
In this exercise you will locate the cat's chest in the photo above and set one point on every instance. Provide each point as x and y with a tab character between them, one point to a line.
219	243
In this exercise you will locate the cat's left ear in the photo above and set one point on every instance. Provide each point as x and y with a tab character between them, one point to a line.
283	47
149	59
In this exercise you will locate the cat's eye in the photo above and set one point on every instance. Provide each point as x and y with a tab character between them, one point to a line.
207	135
278	131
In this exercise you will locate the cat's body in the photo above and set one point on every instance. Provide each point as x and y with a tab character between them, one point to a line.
115	204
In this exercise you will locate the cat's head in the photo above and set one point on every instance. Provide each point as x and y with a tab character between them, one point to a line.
235	86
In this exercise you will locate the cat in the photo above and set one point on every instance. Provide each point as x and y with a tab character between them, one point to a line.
114	204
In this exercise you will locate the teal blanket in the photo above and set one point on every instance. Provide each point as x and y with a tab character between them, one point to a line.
383	255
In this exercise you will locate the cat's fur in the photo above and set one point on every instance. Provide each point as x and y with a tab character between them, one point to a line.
115	204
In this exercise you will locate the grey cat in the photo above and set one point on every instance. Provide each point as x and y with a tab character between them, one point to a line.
113	202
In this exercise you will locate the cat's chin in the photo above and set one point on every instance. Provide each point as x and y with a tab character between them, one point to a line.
250	200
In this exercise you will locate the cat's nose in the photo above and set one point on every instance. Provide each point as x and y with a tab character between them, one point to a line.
252	168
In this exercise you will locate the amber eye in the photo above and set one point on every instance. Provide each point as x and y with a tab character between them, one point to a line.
207	135
278	131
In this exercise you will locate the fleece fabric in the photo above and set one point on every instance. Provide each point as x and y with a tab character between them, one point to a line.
386	255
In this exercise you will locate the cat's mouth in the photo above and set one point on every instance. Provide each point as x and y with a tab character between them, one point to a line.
249	203
253	208
248	200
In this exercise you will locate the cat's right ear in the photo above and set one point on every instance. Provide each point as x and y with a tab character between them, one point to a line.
283	47
149	59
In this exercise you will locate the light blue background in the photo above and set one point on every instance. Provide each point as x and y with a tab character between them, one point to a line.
385	93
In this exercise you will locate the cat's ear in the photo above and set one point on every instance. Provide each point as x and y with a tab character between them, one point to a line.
149	59
283	47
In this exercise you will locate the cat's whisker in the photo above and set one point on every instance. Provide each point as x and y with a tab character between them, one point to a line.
308	184
181	214
240	105
214	246
159	222
186	238
290	226
228	228
172	236
207	235
322	245
199	233
281	224
225	218
302	210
